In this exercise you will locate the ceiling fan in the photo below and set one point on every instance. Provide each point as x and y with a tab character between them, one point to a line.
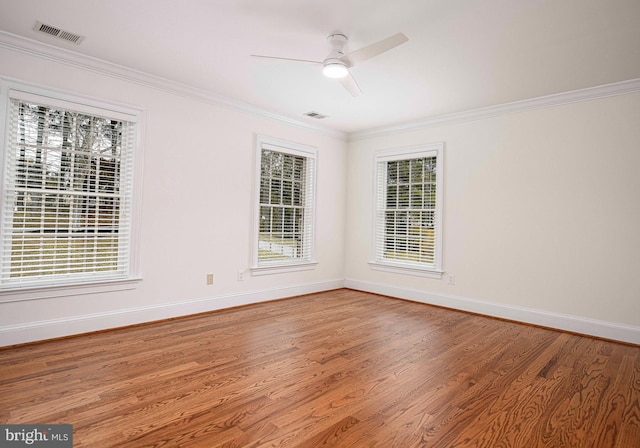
337	64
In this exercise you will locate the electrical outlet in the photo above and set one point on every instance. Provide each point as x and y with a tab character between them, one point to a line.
240	276
209	279
451	279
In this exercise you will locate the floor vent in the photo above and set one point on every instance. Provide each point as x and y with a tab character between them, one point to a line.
57	32
315	115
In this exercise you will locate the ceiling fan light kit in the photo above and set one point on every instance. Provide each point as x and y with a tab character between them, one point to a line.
335	69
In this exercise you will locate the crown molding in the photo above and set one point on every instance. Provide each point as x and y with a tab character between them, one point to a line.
573	96
74	59
87	63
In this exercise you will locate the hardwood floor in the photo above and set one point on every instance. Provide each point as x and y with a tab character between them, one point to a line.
341	368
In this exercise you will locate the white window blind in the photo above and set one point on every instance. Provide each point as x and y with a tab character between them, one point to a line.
285	204
67	193
408	208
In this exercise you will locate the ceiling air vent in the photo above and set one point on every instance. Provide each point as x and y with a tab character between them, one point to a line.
315	115
57	32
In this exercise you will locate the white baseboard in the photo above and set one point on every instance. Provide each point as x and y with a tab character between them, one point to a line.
566	322
55	328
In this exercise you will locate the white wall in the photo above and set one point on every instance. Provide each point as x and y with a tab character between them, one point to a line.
196	213
541	216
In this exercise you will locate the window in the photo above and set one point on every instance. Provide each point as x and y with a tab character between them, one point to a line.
285	194
408	211
67	199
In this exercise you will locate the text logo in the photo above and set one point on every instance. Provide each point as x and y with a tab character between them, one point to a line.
36	436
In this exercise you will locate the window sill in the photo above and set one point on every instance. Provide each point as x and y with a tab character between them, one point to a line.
51	291
283	268
400	268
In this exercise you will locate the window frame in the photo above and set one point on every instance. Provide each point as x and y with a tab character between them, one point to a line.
380	164
11	88
311	155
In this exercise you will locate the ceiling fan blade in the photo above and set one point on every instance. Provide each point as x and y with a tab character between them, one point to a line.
375	49
350	84
286	59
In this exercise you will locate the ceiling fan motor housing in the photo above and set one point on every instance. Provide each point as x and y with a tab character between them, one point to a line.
334	66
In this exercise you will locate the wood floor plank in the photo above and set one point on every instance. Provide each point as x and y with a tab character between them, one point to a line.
334	369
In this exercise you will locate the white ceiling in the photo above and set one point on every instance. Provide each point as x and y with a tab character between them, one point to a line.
461	54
